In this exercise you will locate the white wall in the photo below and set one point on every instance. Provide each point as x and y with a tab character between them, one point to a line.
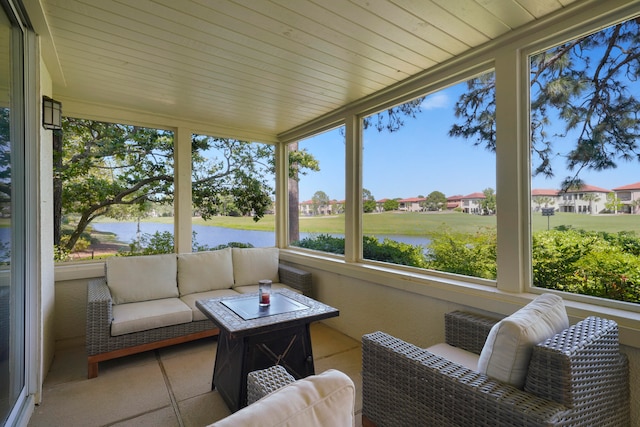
45	237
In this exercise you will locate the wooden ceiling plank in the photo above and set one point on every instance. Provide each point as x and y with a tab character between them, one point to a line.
540	8
147	36
508	11
193	73
447	22
414	25
84	33
303	36
475	16
268	46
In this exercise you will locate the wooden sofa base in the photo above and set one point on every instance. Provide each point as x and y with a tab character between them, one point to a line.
92	368
366	422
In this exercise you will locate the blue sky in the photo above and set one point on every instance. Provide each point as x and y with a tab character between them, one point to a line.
421	158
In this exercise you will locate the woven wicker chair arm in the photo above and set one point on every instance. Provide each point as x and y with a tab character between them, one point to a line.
407	385
98	290
593	335
99	305
296	278
468	331
565	364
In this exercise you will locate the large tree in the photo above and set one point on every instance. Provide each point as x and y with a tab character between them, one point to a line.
319	200
103	166
488	204
585	83
368	201
435	201
300	162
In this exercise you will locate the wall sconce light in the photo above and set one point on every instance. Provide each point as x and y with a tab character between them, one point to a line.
51	113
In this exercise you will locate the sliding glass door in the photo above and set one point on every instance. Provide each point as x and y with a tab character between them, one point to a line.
12	279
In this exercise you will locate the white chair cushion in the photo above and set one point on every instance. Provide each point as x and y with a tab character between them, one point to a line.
142	316
321	400
205	271
251	265
455	354
142	278
507	351
191	299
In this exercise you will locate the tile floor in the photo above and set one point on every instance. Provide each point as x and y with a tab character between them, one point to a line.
166	387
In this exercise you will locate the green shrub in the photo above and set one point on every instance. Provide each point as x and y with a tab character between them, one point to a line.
223	246
393	252
163	243
322	242
464	253
600	264
386	251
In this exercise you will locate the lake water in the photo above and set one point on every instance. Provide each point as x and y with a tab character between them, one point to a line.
214	236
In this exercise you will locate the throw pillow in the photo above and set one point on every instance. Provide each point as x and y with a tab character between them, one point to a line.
251	265
142	278
205	271
327	399
507	351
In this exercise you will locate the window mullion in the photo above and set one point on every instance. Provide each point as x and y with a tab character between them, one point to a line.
511	174
353	190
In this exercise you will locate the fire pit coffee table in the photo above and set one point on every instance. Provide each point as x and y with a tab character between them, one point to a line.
253	337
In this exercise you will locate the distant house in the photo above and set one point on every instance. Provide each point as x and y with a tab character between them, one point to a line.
629	195
336	207
454	202
411	204
471	203
586	199
544	198
306	208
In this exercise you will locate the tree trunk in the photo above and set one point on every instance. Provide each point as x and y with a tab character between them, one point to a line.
77	233
294	200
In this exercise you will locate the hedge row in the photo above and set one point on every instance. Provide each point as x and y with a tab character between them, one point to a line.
593	263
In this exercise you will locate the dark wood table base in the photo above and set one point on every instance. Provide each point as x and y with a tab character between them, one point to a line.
253	338
236	357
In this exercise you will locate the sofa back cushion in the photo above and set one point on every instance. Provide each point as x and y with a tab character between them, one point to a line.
253	264
142	278
507	351
205	271
321	400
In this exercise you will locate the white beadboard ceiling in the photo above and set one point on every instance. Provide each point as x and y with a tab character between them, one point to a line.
262	66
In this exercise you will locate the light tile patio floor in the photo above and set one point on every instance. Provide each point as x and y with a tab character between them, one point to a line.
166	387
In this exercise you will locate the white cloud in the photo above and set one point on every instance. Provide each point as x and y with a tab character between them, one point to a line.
437	100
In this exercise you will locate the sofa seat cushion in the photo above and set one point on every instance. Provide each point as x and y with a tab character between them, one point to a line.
254	288
321	400
191	299
142	316
251	265
507	351
456	354
205	271
142	278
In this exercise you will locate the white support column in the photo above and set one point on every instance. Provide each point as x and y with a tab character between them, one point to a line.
353	190
512	172
282	195
182	187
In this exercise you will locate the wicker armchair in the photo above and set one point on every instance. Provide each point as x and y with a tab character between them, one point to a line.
577	378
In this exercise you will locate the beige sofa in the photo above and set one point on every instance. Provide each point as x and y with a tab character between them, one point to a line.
148	302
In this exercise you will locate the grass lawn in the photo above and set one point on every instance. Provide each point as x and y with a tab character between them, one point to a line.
420	224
